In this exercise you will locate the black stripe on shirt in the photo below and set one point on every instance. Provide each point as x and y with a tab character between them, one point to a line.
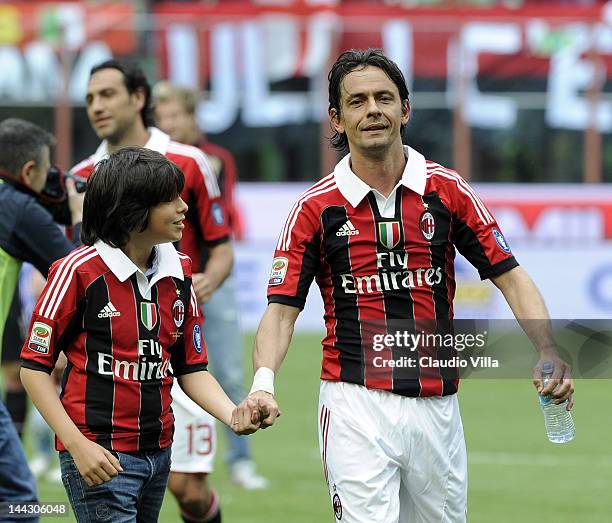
348	331
99	388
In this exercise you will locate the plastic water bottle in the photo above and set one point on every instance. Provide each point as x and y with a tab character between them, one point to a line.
558	421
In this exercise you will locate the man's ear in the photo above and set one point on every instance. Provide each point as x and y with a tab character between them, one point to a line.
26	171
139	96
334	119
405	112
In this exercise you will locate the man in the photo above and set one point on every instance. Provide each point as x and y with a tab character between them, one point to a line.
119	110
27	233
379	236
175	112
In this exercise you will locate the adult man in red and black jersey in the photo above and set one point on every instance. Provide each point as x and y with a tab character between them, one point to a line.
119	110
379	235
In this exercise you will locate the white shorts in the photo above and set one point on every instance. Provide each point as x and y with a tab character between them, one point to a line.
389	458
195	437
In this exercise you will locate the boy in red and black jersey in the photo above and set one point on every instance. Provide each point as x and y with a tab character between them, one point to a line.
123	310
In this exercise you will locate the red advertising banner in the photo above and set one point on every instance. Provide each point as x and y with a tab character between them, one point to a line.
524	40
68	24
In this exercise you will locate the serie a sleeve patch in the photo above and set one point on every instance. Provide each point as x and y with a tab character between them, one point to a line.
279	270
40	338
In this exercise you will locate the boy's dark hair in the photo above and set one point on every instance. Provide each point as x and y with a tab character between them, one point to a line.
20	142
360	59
134	80
122	190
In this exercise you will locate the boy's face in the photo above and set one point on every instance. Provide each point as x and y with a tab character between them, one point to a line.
166	221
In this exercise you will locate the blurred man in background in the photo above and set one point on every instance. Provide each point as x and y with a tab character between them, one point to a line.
28	233
175	113
119	110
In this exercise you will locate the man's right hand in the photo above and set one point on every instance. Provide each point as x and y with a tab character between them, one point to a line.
75	201
268	408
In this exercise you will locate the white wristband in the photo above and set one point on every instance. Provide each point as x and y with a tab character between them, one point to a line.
263	380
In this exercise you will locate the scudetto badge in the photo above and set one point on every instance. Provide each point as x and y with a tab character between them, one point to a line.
389	234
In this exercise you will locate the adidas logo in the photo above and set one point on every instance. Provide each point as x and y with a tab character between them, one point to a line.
108	311
347	230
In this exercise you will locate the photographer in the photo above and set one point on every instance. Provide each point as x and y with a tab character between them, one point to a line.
28	232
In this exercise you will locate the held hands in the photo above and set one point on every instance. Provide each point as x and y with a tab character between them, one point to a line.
245	418
562	376
96	464
258	410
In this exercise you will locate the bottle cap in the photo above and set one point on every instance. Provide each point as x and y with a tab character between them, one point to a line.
548	367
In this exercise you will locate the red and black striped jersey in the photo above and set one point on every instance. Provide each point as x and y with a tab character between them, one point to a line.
121	331
206	223
380	262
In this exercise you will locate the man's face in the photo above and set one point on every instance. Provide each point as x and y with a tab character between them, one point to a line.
111	109
37	174
371	111
172	118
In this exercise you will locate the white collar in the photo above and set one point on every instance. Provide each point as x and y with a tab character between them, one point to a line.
167	259
354	189
158	141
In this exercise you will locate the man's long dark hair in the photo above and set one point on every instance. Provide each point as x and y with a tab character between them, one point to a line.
122	190
134	80
356	59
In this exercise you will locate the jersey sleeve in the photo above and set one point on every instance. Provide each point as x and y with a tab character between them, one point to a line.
476	234
205	195
296	258
190	355
55	318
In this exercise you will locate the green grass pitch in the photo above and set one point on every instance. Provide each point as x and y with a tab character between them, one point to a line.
515	475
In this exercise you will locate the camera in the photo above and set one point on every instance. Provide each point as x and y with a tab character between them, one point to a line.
80	184
53	196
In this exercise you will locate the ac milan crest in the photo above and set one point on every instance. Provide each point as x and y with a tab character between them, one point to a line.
178	312
337	507
389	234
428	225
148	314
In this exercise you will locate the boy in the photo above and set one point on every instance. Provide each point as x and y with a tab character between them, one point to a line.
123	310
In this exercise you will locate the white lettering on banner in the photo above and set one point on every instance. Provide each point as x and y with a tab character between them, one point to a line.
261	108
569	77
398	42
33	76
491	112
183	40
553	223
45	80
220	111
259	40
